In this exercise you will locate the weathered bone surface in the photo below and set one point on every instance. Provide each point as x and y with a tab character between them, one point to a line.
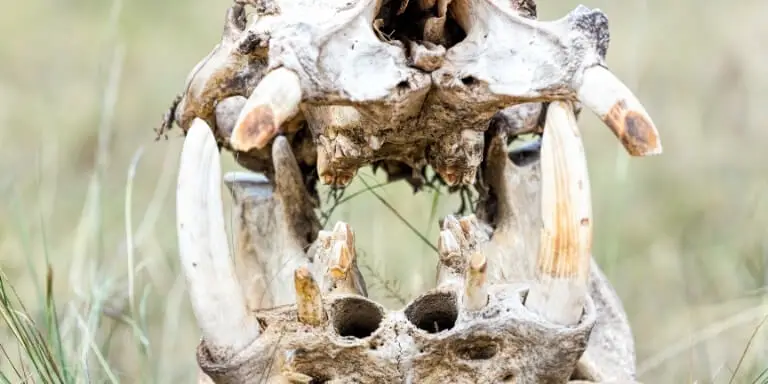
352	83
494	317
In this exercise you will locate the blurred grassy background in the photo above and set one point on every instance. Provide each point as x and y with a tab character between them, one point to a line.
682	236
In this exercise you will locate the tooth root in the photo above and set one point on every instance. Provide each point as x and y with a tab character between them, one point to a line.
476	283
566	237
309	301
274	101
607	96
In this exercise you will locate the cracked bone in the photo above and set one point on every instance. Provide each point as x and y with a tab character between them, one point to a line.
566	209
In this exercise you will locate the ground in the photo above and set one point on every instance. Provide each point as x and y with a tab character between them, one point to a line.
681	236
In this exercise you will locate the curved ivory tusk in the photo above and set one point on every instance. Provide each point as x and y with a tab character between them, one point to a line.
274	101
217	299
562	269
608	97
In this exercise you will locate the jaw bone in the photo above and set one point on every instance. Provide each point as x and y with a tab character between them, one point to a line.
363	101
470	301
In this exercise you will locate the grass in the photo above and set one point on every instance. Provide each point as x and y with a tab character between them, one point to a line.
91	290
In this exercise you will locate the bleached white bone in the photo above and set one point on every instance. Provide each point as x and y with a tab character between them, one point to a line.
562	269
217	299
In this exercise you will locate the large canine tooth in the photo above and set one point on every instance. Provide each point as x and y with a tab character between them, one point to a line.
309	300
274	101
607	96
476	283
216	296
562	269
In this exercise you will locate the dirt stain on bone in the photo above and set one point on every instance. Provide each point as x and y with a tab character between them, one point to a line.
632	128
258	127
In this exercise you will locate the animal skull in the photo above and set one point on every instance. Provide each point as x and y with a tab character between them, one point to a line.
325	84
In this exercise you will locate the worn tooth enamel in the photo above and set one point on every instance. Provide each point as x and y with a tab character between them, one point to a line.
341	260
476	283
562	272
607	96
274	101
309	301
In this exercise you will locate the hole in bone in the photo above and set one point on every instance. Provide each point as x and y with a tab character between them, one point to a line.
410	25
469	80
433	313
523	296
481	348
356	317
509	379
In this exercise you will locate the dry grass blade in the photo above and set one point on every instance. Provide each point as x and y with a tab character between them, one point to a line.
35	347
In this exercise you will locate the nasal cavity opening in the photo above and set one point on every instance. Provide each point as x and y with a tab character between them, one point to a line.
405	20
356	317
433	313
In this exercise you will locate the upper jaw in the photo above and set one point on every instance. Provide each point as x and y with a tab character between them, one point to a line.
365	99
